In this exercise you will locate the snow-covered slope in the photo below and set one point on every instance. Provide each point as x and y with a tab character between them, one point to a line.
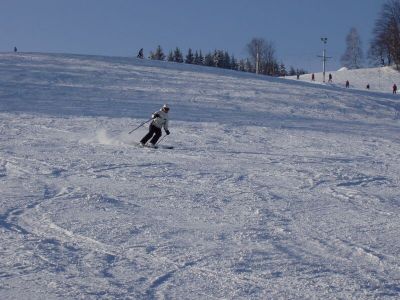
378	79
275	189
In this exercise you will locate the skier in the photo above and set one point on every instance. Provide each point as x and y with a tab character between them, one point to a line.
140	54
160	120
313	77
394	89
368	86
15	49
347	83
330	77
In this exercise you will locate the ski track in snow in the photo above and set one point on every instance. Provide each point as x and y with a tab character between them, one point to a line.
275	189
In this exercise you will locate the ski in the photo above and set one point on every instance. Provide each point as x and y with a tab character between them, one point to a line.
156	146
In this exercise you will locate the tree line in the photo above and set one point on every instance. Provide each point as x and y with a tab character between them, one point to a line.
384	48
265	63
385	45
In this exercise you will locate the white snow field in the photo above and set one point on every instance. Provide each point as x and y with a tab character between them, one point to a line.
378	79
276	189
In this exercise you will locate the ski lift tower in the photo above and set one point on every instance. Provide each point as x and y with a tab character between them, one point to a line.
324	40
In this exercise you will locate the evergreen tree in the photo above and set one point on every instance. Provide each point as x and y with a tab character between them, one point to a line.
189	57
282	70
170	56
178	57
209	60
227	61
196	58
159	54
220	59
233	63
201	58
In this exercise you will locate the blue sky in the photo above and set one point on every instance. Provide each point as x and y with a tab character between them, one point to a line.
122	27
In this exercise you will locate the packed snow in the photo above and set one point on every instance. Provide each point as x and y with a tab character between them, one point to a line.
276	189
379	79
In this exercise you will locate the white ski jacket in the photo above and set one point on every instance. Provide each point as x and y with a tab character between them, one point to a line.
161	121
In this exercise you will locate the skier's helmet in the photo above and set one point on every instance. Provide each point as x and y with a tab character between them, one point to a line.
165	108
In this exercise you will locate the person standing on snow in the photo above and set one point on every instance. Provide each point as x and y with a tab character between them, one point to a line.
160	120
140	54
394	89
347	84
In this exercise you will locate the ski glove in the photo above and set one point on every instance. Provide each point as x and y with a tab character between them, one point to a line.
156	116
167	132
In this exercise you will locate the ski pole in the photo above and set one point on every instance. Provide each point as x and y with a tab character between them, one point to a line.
140	125
159	141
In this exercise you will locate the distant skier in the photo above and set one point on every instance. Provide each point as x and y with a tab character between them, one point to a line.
330	77
160	120
15	49
394	89
347	84
140	54
298	76
368	86
313	77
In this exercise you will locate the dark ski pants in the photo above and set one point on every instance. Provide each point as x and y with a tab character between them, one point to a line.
153	130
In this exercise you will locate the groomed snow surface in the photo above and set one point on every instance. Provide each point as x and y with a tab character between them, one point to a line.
276	189
378	79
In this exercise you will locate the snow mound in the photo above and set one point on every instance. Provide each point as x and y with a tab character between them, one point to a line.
380	79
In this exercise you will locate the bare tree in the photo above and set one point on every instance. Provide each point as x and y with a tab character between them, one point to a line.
254	48
262	55
386	40
353	56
